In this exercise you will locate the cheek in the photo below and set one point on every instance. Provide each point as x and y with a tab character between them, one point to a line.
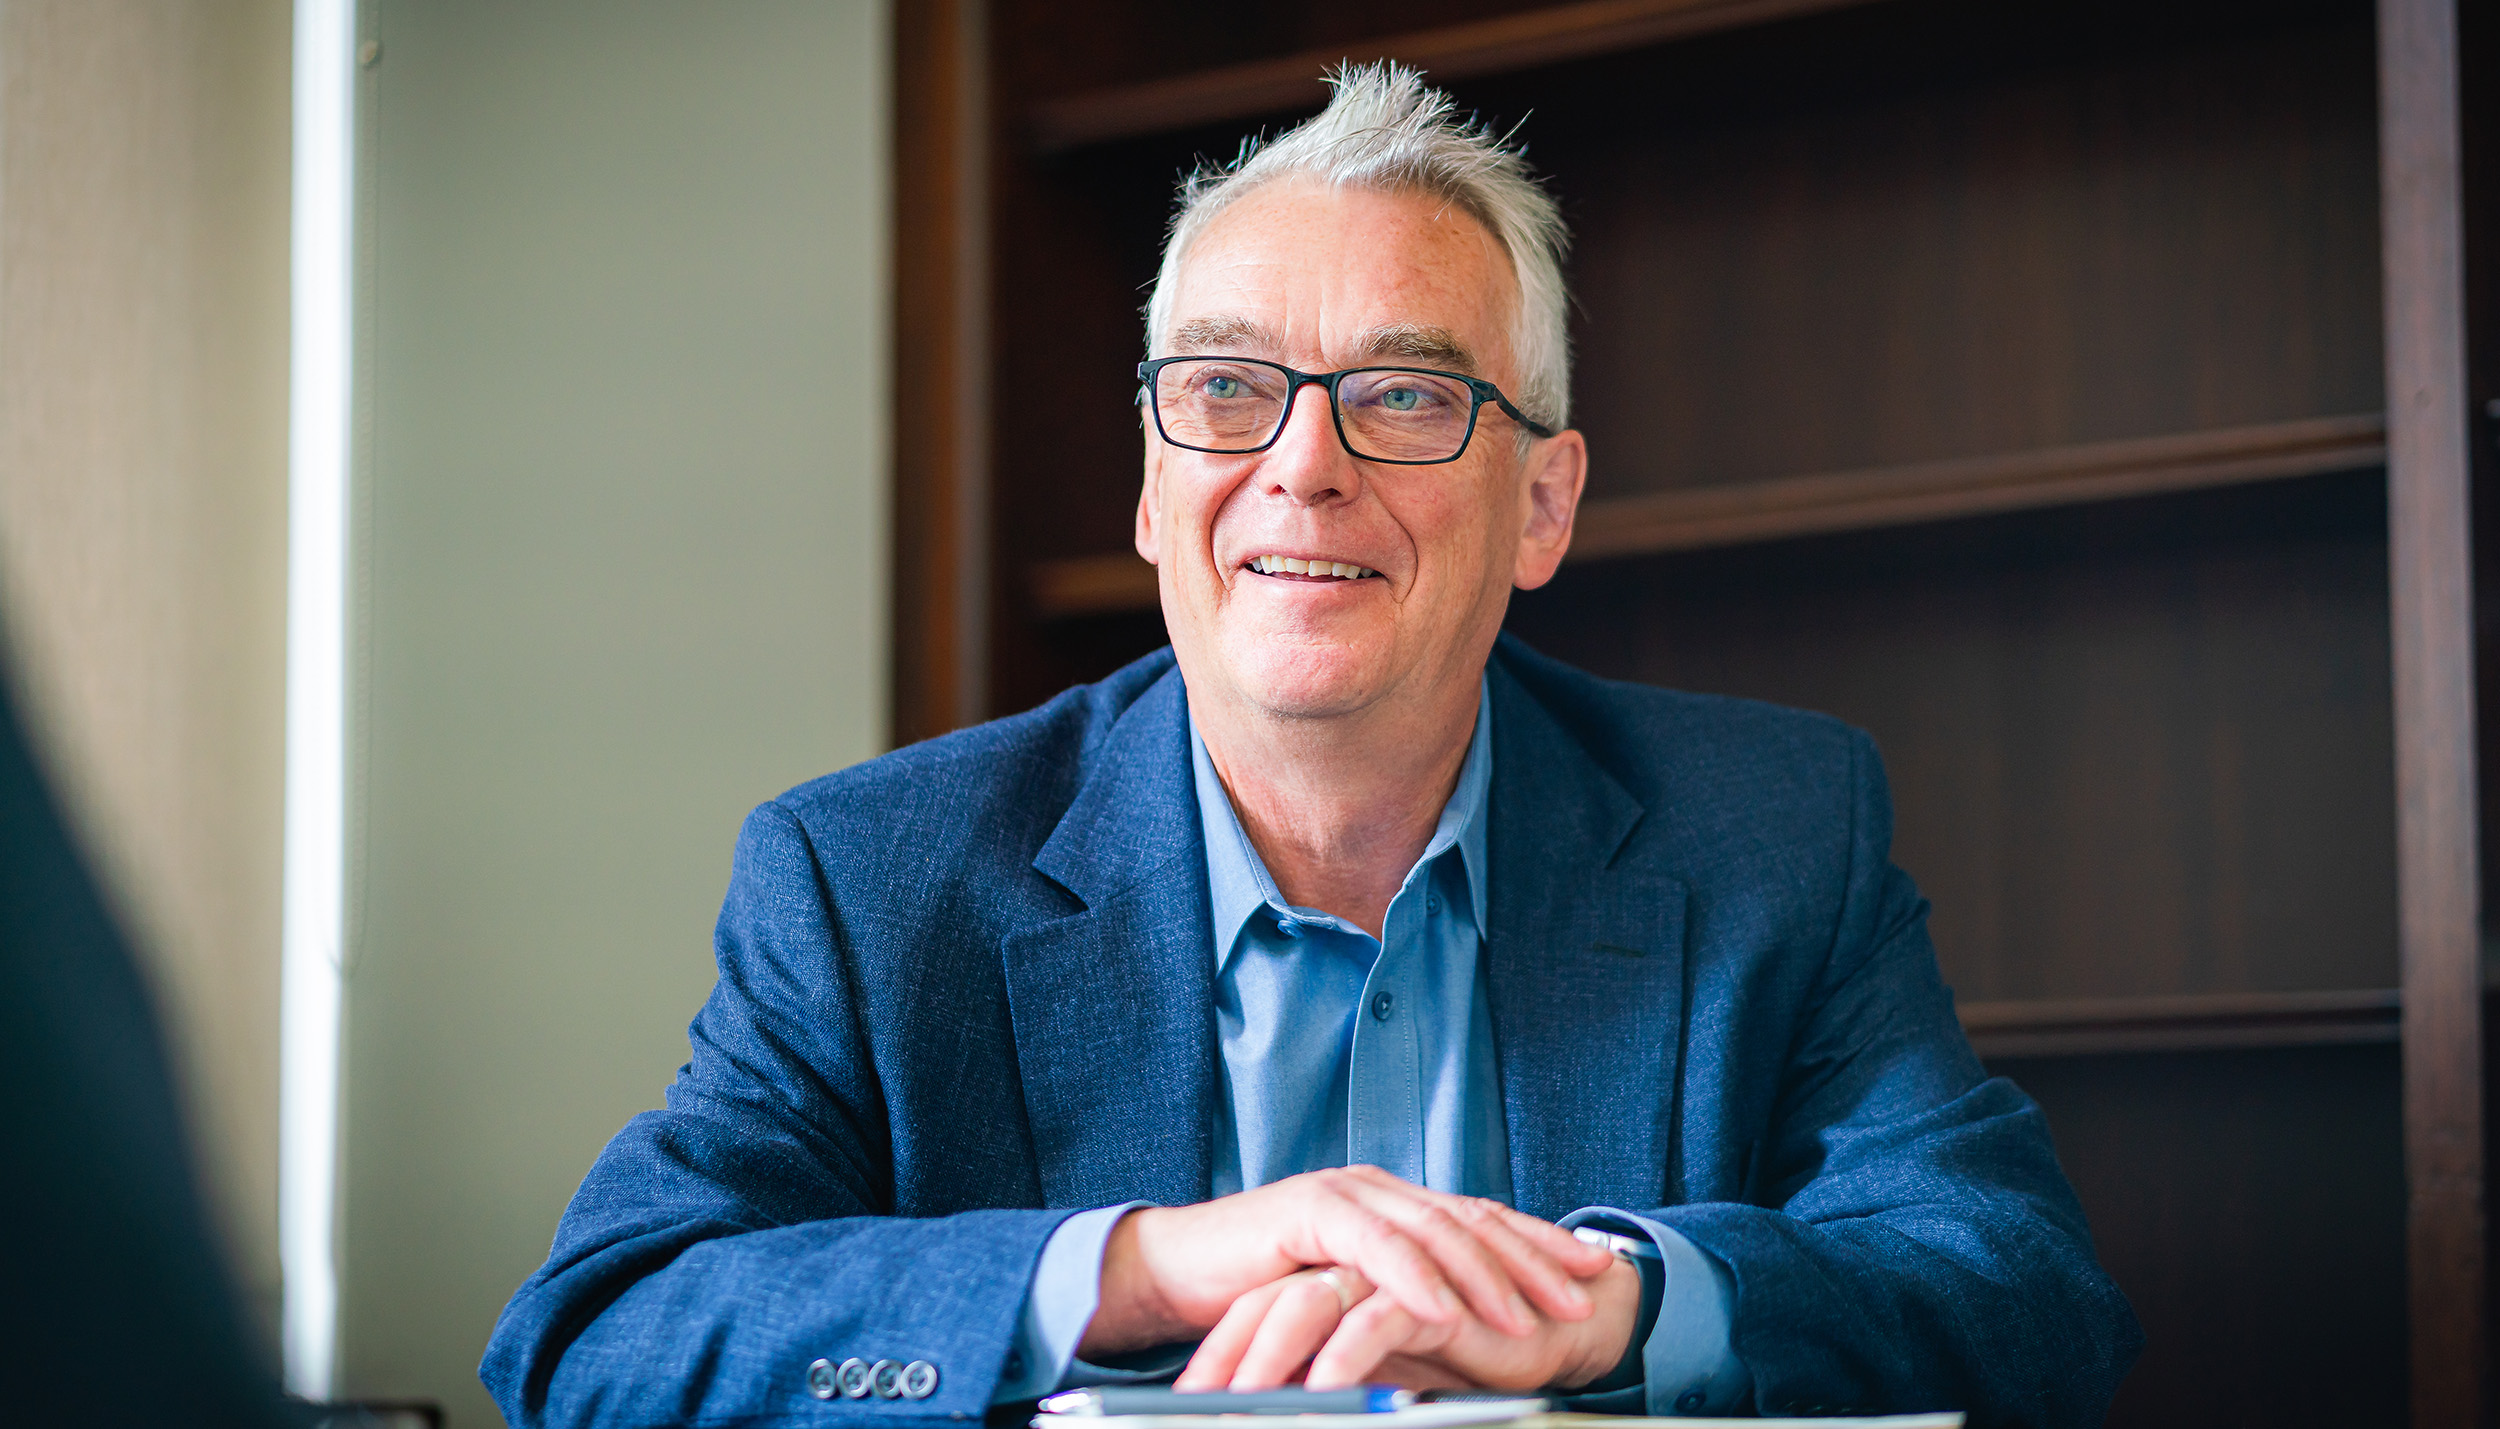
1195	497
1458	530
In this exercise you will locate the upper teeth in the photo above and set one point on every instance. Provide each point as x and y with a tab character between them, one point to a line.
1288	565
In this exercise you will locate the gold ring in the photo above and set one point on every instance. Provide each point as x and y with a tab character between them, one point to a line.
1334	1279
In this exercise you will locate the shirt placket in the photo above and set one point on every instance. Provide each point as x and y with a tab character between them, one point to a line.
1384	1105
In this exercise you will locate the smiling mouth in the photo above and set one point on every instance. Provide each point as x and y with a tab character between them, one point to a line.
1290	566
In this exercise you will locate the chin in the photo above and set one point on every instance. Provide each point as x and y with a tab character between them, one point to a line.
1307	679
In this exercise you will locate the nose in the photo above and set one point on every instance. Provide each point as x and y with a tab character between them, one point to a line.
1308	465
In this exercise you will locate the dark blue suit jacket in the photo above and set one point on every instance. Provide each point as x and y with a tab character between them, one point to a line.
965	989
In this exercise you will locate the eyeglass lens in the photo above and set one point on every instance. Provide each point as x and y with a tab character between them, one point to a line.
1227	405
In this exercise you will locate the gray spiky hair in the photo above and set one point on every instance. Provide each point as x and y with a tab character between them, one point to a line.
1384	129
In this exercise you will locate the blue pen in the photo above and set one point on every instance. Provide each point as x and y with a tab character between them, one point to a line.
1164	1399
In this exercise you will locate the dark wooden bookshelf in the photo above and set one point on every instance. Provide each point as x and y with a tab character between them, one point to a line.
2084	397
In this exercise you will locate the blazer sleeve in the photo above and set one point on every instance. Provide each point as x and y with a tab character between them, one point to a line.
720	1247
1908	1241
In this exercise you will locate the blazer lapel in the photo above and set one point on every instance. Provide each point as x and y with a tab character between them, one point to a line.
1584	971
1113	1006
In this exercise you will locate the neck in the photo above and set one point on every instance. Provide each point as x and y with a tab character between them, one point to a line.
1340	808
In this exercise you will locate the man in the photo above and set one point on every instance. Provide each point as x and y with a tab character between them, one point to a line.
1038	1050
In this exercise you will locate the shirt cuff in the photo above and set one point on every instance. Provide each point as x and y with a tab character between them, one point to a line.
1066	1290
1688	1366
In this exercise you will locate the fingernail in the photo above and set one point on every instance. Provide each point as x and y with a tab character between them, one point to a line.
1448	1300
1574	1296
1519	1311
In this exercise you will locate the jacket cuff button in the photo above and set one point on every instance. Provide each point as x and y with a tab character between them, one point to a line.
820	1379
885	1379
853	1378
920	1379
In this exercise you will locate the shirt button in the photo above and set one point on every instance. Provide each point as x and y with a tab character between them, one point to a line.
1689	1401
1381	1003
1289	927
1432	902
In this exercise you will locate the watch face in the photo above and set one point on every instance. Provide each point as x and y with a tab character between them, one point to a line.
1630	1247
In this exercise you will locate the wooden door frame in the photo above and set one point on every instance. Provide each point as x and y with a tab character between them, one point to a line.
941	438
2431	592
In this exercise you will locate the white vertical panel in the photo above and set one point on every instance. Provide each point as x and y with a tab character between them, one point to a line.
316	708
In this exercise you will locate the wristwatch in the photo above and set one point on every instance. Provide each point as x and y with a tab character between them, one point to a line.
1651	1262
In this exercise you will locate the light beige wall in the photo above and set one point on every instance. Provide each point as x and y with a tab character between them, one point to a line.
143	387
620	555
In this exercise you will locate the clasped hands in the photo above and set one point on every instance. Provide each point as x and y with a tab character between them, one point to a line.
1353	1276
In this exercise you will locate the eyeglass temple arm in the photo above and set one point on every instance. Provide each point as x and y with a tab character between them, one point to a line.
1513	412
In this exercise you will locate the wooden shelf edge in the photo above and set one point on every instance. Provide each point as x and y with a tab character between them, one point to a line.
1462	51
1093	585
1825	503
2208	1022
1743	513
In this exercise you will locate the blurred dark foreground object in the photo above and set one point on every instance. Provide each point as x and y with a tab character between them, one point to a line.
375	1414
115	1307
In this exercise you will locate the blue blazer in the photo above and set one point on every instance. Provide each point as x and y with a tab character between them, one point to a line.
965	990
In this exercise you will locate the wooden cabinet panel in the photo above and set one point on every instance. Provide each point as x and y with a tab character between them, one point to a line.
2251	1206
2141	748
1899	257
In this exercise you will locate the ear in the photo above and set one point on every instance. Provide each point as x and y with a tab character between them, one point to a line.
1552	478
1149	493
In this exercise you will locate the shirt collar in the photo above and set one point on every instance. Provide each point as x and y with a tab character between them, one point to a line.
1239	885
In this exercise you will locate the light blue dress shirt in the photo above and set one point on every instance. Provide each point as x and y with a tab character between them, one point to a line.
1344	1049
1341	1049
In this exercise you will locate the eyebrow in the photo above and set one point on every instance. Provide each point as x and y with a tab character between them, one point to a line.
1222	334
1412	342
1415	342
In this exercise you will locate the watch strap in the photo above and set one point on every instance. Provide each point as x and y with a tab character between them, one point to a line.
1646	1258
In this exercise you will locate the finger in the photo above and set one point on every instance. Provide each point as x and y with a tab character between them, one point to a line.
1292	1331
1532	1248
1338	1230
1578	1256
1365	1337
1551	1284
1220	1352
1542	1259
1465	1259
1470	1265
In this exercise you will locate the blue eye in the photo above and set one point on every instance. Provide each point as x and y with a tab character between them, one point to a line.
1401	399
1223	388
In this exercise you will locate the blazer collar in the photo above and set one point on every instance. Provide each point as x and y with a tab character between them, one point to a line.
1114	1004
1583	969
1136	810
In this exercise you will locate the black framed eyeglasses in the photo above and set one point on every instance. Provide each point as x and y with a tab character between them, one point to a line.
1404	416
